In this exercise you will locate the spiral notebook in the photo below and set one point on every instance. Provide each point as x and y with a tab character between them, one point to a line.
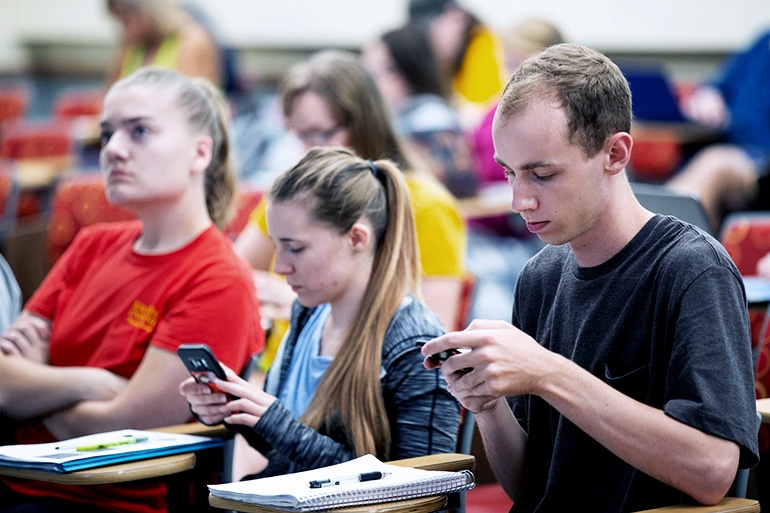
339	486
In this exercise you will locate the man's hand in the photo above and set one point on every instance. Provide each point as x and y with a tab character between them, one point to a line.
502	361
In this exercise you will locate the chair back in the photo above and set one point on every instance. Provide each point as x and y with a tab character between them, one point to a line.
78	201
14	101
457	502
661	200
23	139
74	103
467	294
746	237
40	151
246	201
465	431
657	154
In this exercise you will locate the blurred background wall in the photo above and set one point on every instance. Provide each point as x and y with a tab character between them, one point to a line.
66	37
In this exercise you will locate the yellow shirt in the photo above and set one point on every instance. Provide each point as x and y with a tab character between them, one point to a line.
165	57
480	78
441	233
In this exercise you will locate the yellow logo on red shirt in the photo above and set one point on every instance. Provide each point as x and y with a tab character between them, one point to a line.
143	316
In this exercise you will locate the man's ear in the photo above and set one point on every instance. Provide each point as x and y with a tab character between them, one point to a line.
202	154
360	236
619	152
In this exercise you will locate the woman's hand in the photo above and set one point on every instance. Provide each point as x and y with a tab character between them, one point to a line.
236	401
275	296
249	403
29	337
101	384
204	402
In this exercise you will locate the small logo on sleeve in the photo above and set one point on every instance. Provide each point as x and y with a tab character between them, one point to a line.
142	316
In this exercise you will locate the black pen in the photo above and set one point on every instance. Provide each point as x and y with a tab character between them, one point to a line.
364	476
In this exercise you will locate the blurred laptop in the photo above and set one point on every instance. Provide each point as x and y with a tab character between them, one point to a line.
652	96
659	199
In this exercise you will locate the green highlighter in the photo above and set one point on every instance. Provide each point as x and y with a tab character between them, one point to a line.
125	440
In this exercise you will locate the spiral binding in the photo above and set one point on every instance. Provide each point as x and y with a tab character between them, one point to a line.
382	492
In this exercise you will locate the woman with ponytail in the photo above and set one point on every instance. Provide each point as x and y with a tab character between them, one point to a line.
348	378
95	348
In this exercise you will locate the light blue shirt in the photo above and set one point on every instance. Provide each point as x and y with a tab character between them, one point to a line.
307	367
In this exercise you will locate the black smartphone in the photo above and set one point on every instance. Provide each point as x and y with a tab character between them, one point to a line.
441	356
201	362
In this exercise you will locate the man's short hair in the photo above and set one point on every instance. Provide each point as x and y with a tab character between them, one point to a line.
590	87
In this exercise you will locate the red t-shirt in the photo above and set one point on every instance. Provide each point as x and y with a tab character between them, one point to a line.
108	304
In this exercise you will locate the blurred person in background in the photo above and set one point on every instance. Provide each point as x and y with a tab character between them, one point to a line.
402	64
163	34
500	244
10	295
732	174
468	52
521	41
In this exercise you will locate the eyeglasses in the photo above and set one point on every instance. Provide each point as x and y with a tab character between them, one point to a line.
317	137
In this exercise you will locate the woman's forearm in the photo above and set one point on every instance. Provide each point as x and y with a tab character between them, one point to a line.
29	389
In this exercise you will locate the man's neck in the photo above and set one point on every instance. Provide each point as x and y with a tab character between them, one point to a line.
624	218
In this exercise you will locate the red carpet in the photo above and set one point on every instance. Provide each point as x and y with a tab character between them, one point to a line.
487	498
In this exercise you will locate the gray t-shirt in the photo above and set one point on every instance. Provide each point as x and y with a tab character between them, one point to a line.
665	322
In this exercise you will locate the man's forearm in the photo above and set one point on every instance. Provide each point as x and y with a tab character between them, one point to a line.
696	463
505	445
